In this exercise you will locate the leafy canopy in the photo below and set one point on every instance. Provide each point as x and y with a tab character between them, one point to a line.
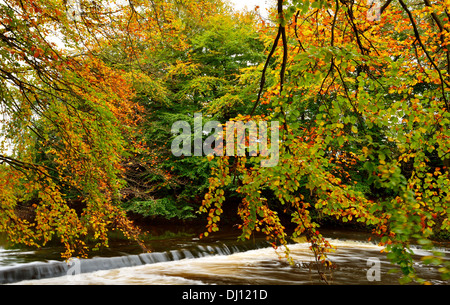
364	107
89	91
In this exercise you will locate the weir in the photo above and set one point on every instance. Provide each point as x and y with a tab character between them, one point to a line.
221	261
42	270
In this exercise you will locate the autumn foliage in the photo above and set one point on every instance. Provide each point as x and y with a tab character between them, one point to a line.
89	90
69	118
372	97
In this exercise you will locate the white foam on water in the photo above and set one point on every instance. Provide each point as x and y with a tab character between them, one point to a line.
260	266
182	271
120	276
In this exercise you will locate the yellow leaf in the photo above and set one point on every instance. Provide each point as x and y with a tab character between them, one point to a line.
365	151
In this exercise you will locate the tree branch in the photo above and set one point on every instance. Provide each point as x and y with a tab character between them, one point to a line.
419	40
385	6
281	33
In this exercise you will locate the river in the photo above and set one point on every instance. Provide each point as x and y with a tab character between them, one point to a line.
186	260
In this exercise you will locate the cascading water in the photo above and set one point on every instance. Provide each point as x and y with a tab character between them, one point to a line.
190	261
51	269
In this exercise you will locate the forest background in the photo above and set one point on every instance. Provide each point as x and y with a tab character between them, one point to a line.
90	89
